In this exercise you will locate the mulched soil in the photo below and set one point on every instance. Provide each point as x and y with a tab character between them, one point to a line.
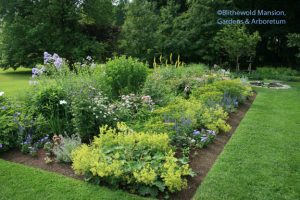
38	162
201	160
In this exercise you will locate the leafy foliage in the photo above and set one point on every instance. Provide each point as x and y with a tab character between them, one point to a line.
282	73
31	27
148	166
125	75
64	148
8	128
236	42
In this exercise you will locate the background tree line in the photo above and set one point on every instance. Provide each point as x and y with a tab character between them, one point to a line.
145	29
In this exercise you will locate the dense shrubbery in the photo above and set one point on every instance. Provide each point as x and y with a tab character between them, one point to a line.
125	75
284	74
8	128
166	82
142	162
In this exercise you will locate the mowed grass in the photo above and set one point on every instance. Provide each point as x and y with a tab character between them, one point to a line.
262	159
15	83
22	182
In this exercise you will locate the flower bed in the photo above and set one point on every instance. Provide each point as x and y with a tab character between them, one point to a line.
166	111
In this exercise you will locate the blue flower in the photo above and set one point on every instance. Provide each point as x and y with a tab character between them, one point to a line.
58	63
47	57
204	138
236	103
35	71
196	132
211	132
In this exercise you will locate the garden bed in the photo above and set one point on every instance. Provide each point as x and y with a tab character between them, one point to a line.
201	160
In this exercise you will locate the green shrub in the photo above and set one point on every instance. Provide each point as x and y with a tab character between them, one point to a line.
90	109
64	148
166	82
160	92
53	103
125	75
282	73
8	128
142	162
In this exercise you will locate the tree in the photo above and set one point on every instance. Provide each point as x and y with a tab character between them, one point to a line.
139	37
236	42
61	26
294	41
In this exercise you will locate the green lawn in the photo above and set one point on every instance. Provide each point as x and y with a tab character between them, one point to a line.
15	83
22	182
262	159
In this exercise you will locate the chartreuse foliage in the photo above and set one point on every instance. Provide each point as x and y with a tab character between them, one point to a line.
21	182
180	117
261	160
142	162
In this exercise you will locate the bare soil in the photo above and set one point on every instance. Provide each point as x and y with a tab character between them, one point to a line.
201	160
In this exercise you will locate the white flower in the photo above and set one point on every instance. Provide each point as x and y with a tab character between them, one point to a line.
62	102
1	94
33	82
193	140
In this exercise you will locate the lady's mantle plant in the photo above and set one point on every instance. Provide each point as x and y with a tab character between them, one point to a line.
142	162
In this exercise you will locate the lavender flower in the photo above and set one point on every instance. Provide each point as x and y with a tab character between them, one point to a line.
196	132
211	132
236	103
1	146
204	138
58	63
35	71
47	57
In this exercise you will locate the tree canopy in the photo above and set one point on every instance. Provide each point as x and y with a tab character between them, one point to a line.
141	28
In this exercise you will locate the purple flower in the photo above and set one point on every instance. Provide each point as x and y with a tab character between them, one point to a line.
1	146
58	63
204	138
196	132
35	71
211	132
47	57
236	103
55	56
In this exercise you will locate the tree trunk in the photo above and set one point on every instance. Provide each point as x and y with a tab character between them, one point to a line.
250	64
237	64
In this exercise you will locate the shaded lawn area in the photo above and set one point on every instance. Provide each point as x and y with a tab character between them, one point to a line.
15	83
262	159
22	182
